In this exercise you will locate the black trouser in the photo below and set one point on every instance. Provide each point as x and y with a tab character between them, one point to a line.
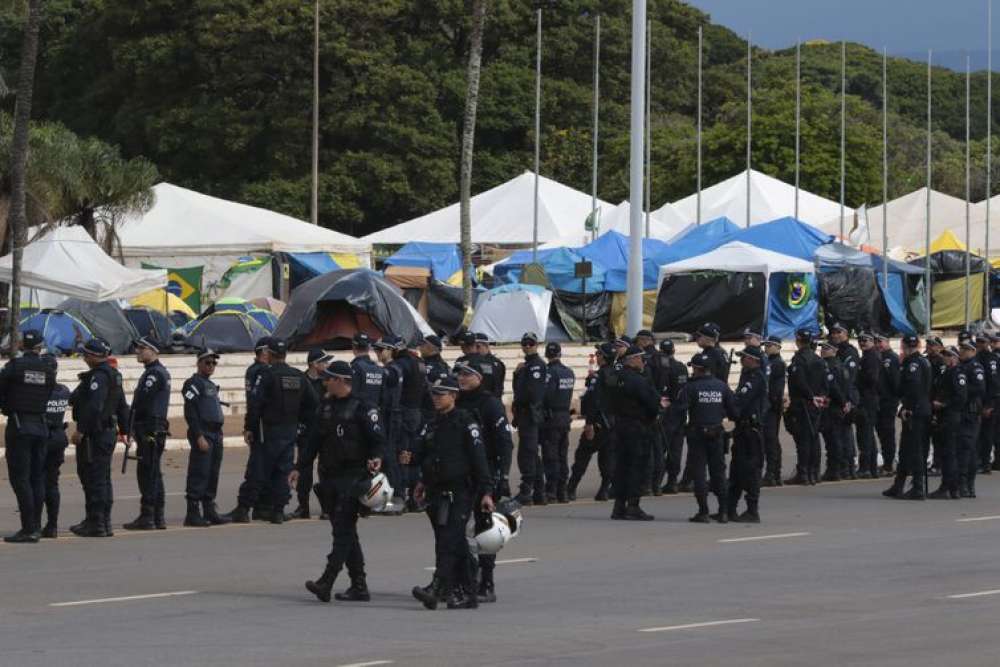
203	468
657	465
745	467
912	453
600	444
274	458
673	434
631	457
967	450
945	433
833	429
411	421
706	447
252	492
805	431
528	456
886	428
772	443
343	506
449	514
97	450
55	456
866	415
555	451
26	469
150	442
304	464
986	433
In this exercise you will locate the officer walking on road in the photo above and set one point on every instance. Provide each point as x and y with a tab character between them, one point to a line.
748	441
888	401
55	451
149	429
776	400
948	399
26	383
98	408
915	411
555	430
317	361
349	441
638	405
673	376
452	458
530	382
204	417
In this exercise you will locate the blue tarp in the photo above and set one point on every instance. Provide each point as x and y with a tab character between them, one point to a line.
559	265
442	259
304	266
611	250
787	311
698	240
787	236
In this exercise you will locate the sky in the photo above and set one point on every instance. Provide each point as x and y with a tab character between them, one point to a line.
905	27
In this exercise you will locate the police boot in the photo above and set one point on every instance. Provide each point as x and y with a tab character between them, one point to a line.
940	494
635	513
916	491
143	522
562	494
211	514
963	489
459	598
487	591
322	586
77	527
108	532
800	478
721	516
731	507
92	527
574	481
751	515
22	537
831	475
602	493
670	488
767	480
428	595
896	490
239	515
194	519
356	592
158	519
51	531
277	515
702	515
972	489
618	512
301	512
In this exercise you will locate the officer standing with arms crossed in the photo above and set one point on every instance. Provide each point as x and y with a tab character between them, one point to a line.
349	440
55	451
888	401
948	397
637	407
204	417
98	407
596	436
26	382
673	377
555	430
915	411
776	399
452	458
317	361
490	414
149	429
807	395
748	441
530	381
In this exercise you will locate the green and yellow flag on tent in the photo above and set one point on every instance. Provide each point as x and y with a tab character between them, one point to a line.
183	283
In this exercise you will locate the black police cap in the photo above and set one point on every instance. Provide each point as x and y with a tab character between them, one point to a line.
97	347
32	338
553	350
445	385
339	369
667	346
317	356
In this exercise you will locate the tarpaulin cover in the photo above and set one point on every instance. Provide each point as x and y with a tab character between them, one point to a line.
619	311
560	267
793	304
355	299
226	331
951	264
445	310
948	301
835	255
505	313
151	323
734	301
63	333
598	312
699	240
105	319
895	300
852	297
304	266
787	236
442	259
611	250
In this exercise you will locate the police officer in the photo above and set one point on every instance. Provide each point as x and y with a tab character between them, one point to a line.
471	344
707	338
968	434
204	417
490	414
369	377
280	401
948	397
672	376
555	430
98	408
776	407
866	412
248	488
850	359
653	370
833	421
595	438
707	401
392	425
317	362
349	440
149	429
934	354
991	399
530	382
492	368
915	410
807	394
888	401
26	384
406	372
55	451
637	407
435	366
748	442
455	475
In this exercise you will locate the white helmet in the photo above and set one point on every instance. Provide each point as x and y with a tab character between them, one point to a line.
376	492
496	533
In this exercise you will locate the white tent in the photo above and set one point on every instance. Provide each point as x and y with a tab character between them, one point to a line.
66	262
186	228
664	224
770	199
502	215
507	313
739	257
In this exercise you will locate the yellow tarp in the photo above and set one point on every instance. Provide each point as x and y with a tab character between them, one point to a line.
455	280
163	301
346	261
947	241
948	297
619	311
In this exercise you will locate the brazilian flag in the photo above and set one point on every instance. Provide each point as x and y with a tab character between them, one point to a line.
183	283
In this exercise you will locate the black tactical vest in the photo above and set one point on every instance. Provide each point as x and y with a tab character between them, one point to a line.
341	435
282	404
31	384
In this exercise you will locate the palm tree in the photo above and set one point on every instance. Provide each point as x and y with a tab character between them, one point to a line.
468	138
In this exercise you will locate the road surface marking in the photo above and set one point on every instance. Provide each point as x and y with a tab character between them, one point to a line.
122	599
509	561
979	518
973	595
779	536
371	663
707	624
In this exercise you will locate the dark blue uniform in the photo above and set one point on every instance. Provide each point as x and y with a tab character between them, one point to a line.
888	406
530	383
25	386
949	394
594	409
407	376
833	422
850	358
304	459
968	434
671	376
249	488
149	428
555	431
55	455
748	441
718	362
204	417
637	405
707	400
915	381
807	379
369	378
866	412
772	422
991	400
98	408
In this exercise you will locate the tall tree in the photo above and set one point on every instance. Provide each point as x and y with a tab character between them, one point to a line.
468	141
19	159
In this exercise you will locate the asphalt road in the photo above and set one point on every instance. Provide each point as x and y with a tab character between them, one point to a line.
835	575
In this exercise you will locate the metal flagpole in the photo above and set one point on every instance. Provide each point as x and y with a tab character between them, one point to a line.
843	129
700	54
597	83
885	169
635	165
649	131
538	129
927	229
749	117
315	119
798	121
968	174
989	150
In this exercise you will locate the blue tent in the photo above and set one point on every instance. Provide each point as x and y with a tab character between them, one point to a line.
698	240
559	265
787	236
265	318
442	259
611	250
63	332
